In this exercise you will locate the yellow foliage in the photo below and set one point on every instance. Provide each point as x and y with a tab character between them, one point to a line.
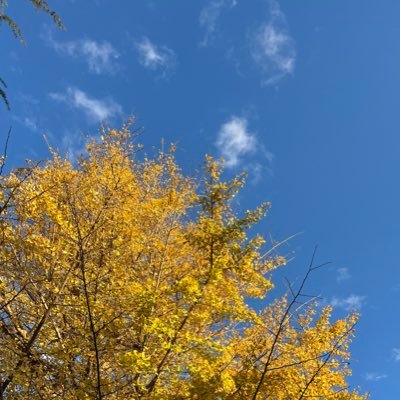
121	279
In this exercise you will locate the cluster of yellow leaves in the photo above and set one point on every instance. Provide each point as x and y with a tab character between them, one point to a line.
121	279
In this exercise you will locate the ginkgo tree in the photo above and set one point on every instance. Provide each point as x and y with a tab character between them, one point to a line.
121	278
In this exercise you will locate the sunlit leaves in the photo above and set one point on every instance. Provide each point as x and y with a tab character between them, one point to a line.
120	278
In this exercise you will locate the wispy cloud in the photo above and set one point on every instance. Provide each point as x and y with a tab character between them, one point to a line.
273	48
101	57
210	15
96	110
27	121
396	354
352	302
27	112
74	144
375	376
156	58
343	274
71	143
234	141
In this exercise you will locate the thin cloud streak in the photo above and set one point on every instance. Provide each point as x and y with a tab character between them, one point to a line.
352	302
28	122
343	274
273	48
101	57
209	17
375	376
97	110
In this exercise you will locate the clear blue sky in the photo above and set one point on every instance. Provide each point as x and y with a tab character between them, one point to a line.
304	95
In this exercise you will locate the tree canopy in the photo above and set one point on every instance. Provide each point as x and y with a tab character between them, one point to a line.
121	278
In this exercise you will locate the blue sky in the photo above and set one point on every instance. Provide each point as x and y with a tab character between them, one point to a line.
303	95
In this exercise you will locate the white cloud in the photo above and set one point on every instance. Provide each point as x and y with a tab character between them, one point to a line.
158	58
352	302
234	141
74	144
96	109
28	122
273	48
209	16
375	376
28	114
99	56
396	354
343	274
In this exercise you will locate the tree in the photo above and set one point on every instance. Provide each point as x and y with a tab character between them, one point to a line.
121	278
39	5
